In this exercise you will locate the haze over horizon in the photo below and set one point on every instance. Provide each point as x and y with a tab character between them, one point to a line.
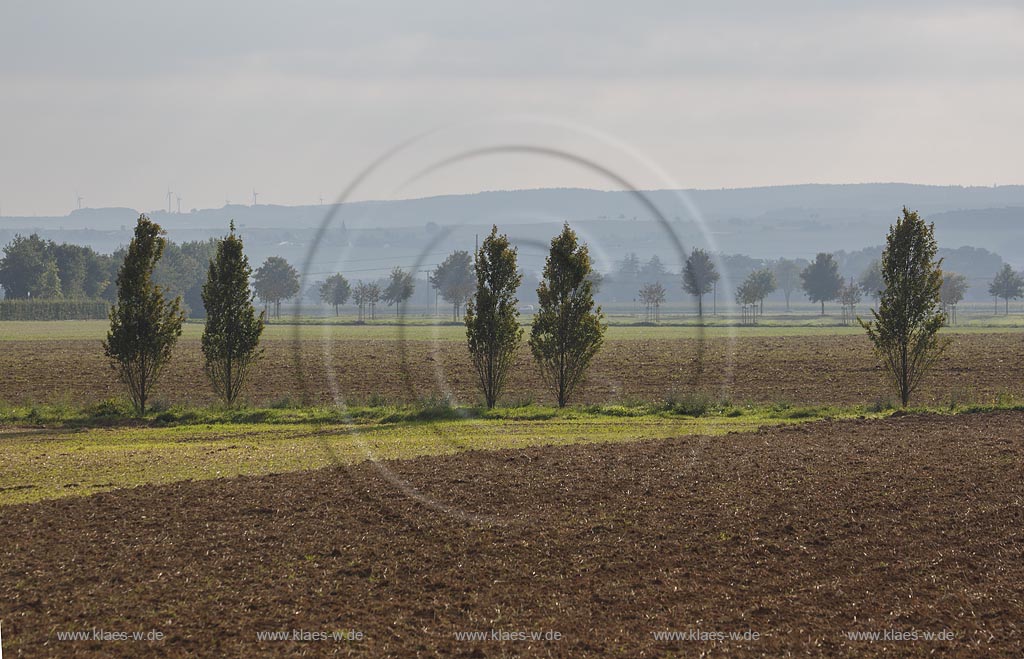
118	102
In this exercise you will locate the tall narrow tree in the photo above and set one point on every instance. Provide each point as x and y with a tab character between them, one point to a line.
567	329
231	336
905	329
492	319
144	326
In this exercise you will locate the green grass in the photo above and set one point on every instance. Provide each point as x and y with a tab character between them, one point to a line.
68	459
54	451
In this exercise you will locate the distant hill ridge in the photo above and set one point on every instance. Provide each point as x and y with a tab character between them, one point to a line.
822	202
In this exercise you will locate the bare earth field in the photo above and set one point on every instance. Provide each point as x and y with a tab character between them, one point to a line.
801	534
825	369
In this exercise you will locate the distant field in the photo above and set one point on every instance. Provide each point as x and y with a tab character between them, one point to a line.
389	329
63	363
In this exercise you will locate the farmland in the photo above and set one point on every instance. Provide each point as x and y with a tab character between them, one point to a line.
324	364
805	535
724	479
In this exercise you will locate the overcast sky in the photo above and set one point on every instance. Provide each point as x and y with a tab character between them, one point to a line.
117	100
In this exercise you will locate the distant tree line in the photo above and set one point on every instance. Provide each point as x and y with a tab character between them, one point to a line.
32	268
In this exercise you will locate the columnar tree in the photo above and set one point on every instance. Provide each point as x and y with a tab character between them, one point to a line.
492	319
787	276
276	280
567	329
454	279
906	325
399	289
821	280
1006	285
232	333
699	277
144	326
335	291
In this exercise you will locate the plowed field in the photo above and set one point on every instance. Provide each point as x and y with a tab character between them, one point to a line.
836	370
803	535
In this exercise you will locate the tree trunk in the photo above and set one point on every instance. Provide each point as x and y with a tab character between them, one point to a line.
700	306
823	307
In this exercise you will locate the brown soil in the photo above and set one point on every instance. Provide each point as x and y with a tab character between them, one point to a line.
800	534
799	370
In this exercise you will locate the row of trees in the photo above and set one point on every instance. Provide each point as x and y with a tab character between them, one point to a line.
821	282
34	268
567	330
145	323
336	291
566	333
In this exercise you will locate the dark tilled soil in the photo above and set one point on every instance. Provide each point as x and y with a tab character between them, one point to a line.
831	370
799	534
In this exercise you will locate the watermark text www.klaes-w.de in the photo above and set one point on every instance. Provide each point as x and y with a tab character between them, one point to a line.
337	635
99	634
900	635
705	635
508	635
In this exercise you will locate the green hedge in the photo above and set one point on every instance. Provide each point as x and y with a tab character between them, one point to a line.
54	310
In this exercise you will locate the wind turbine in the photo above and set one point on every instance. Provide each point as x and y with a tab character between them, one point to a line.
169	193
80	200
254	195
178	197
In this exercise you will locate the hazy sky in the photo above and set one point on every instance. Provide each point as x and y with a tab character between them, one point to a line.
118	100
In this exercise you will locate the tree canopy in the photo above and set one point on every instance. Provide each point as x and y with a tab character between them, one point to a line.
492	319
821	280
275	281
905	328
567	329
144	326
699	276
1006	285
454	279
231	334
